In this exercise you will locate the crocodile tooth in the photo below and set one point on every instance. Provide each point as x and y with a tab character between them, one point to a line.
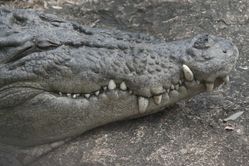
111	85
172	87
87	95
97	93
226	79
123	86
198	82
157	99
105	88
74	96
188	74
142	104
68	95
177	87
130	92
60	93
209	86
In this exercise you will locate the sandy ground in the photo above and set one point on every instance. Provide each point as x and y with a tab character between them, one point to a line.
190	133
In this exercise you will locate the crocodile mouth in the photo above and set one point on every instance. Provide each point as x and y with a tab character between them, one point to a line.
186	87
181	90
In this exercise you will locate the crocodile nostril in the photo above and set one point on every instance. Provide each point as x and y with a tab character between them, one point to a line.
224	51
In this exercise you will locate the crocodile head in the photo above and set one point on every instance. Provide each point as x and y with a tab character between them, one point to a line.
59	79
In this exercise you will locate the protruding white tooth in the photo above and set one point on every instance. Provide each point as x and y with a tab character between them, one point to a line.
130	92
188	74
157	99
87	95
180	82
111	85
209	86
60	93
142	104
177	87
168	90
97	93
198	82
123	86
226	79
74	96
105	88
69	95
172	87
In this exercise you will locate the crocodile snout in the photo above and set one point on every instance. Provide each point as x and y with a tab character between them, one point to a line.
209	58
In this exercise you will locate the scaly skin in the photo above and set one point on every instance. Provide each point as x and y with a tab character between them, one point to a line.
59	79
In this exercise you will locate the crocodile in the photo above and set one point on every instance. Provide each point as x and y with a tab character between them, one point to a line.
59	79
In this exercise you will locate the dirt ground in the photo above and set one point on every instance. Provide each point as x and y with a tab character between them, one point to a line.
190	133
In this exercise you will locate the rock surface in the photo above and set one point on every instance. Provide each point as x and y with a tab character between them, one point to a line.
190	133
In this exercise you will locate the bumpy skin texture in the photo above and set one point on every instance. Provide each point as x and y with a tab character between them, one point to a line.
49	67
